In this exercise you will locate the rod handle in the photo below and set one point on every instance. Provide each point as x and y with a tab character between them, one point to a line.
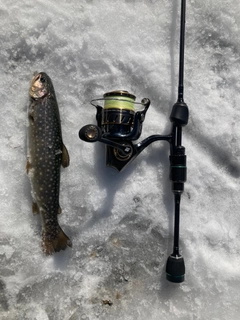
175	269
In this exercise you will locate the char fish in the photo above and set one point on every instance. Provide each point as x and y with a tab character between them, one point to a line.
46	153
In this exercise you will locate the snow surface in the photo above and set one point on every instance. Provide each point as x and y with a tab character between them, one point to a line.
121	224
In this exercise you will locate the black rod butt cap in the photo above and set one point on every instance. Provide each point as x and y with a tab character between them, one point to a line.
175	269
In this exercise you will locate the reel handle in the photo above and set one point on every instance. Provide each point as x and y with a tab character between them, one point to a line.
92	133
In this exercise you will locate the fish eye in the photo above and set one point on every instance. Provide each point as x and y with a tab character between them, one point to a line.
43	79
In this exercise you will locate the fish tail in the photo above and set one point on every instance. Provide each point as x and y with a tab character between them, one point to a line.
54	242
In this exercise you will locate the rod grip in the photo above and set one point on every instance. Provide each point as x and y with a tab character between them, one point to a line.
178	169
179	114
175	269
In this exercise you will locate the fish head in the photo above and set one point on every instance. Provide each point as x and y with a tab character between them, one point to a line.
41	86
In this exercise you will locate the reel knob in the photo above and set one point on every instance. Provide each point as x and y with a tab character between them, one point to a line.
90	133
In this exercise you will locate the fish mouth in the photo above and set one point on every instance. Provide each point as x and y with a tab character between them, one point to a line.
36	77
38	88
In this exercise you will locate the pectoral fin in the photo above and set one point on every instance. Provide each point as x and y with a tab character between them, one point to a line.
65	157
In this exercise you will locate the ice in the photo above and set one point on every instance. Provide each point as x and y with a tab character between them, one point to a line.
121	224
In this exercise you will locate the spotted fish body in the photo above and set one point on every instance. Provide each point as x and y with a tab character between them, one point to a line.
46	154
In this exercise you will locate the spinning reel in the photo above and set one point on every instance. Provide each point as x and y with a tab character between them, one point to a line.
118	125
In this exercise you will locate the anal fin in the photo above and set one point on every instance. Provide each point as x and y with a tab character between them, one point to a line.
65	157
28	166
35	209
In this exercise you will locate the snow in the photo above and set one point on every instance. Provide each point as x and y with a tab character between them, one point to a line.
121	224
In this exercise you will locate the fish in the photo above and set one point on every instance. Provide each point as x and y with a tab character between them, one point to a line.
46	153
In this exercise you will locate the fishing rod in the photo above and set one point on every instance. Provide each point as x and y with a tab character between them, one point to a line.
175	268
118	125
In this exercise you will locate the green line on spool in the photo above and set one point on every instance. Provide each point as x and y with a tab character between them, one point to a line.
119	99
